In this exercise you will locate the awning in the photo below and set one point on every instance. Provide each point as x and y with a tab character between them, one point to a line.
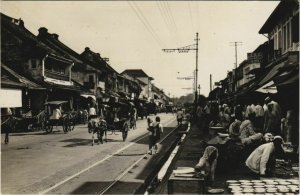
10	98
89	96
289	81
268	88
273	72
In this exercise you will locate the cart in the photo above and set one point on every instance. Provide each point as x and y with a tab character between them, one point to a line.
66	120
119	118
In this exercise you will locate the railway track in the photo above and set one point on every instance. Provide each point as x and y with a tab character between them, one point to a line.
105	187
114	182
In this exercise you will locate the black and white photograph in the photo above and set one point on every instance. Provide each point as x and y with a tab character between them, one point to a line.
149	97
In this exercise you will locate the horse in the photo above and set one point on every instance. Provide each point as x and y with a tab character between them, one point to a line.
99	126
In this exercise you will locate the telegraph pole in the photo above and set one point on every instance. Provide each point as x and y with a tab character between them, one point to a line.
235	44
210	82
186	49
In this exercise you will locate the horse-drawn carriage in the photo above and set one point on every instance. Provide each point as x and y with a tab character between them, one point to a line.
66	120
115	117
119	117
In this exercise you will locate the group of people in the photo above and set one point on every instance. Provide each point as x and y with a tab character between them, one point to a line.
255	126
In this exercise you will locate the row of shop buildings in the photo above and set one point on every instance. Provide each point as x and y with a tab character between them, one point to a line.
37	69
272	69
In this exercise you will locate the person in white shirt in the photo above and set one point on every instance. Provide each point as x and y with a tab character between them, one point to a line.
56	113
92	112
262	159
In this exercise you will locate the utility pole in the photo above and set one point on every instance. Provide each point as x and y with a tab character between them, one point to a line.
235	44
210	82
186	49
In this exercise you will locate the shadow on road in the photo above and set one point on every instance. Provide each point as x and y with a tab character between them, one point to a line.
90	188
77	142
24	134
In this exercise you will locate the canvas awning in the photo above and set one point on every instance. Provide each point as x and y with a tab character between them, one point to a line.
273	72
268	88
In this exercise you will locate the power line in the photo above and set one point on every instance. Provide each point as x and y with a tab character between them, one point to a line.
145	19
187	49
171	18
163	14
145	22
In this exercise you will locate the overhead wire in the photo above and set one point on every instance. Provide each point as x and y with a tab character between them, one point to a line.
164	16
145	22
168	11
145	19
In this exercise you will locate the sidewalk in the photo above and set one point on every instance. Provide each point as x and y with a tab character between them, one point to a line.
190	153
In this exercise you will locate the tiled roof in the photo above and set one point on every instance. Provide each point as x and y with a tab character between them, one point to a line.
53	42
16	28
97	60
13	79
135	73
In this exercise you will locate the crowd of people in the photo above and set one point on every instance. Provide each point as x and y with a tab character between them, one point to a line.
252	135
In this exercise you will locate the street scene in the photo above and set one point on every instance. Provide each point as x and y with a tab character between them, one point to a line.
150	97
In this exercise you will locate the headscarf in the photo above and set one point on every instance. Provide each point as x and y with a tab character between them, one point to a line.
208	152
204	164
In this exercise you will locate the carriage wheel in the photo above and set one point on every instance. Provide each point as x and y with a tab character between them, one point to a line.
66	128
125	132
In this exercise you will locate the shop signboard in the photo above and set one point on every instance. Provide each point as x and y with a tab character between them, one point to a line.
254	57
10	98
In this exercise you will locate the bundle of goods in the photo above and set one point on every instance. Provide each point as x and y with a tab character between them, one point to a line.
265	186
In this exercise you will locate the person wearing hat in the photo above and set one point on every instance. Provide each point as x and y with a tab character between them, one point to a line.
262	159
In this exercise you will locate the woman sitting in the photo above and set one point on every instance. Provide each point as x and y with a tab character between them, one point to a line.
247	133
207	163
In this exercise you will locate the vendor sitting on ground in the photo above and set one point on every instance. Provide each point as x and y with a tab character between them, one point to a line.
207	163
234	128
224	117
262	159
247	130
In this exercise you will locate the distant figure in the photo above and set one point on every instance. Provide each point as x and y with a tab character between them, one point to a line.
272	117
208	163
56	113
262	159
259	113
179	116
6	123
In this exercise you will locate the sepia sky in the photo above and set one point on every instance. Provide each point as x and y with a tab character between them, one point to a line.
133	34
